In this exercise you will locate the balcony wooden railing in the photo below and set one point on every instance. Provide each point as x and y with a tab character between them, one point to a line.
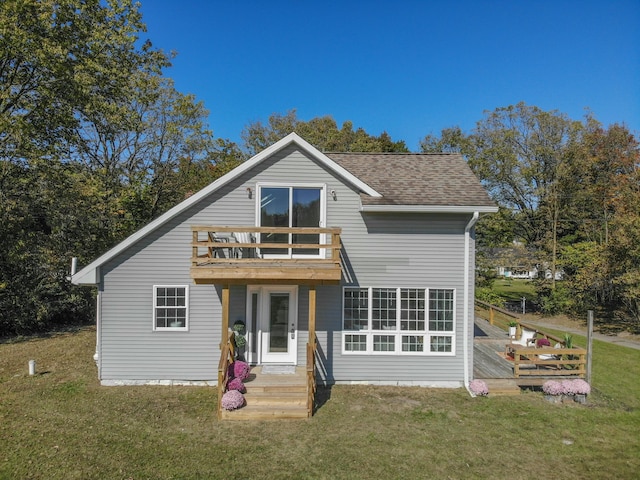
311	374
240	254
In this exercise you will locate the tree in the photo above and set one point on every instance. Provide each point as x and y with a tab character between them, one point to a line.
321	132
61	60
94	143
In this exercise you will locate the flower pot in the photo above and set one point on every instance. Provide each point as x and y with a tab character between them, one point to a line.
553	398
580	398
512	332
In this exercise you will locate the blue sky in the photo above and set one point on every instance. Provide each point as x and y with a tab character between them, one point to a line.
407	67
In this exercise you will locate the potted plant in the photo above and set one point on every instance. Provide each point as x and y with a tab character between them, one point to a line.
479	388
553	391
513	325
581	389
240	331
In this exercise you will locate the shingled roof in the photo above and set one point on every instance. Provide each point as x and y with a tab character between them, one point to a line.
418	179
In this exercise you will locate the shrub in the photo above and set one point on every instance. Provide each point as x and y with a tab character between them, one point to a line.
232	400
580	387
551	387
241	370
236	384
568	387
478	387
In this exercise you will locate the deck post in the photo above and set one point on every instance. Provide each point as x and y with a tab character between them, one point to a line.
312	312
589	343
225	316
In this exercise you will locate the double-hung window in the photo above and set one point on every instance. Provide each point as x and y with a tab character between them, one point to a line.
400	321
170	307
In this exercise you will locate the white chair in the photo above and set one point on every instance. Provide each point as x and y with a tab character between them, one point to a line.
243	252
527	338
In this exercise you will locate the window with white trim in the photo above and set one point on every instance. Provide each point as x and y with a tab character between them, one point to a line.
398	321
170	307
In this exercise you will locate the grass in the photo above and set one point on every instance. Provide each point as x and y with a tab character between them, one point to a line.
61	423
512	290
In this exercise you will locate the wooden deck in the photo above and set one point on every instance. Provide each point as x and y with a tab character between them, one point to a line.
490	364
488	351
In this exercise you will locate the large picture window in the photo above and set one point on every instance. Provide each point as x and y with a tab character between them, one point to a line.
399	321
170	307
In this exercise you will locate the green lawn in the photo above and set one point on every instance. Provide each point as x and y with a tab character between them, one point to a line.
62	424
513	290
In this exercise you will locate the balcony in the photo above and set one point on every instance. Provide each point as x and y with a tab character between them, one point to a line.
254	255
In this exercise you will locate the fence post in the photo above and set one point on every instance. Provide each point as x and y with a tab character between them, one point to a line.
589	343
491	314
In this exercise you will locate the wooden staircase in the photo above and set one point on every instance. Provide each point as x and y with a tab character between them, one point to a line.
272	397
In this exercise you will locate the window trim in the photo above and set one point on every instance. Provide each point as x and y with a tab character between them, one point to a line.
398	332
155	307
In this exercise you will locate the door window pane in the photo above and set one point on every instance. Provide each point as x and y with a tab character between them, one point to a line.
278	322
274	212
305	213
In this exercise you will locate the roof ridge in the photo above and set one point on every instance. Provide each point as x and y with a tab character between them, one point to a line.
392	153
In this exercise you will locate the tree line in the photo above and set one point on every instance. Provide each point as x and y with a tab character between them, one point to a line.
569	196
95	142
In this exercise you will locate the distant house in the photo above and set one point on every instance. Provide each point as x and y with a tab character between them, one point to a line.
371	254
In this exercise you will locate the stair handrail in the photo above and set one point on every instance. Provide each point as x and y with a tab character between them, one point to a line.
227	357
311	373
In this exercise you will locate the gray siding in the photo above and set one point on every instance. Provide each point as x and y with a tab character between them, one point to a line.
386	250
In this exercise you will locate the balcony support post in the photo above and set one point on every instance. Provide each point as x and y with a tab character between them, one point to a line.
225	316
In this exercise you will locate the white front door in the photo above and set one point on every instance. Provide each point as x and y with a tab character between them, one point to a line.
277	322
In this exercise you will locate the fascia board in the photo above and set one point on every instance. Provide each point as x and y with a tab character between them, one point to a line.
429	208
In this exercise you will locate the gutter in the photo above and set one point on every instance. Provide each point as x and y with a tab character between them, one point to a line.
467	264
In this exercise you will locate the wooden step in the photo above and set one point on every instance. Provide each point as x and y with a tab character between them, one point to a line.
273	397
301	388
266	412
500	387
296	399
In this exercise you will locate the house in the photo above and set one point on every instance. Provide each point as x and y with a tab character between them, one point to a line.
370	254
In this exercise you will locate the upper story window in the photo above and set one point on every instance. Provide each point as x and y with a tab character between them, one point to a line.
401	321
170	307
291	207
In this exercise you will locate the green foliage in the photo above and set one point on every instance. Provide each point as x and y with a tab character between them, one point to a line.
554	301
486	294
94	144
569	191
321	132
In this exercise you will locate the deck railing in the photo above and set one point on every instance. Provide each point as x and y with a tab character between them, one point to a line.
243	244
311	375
549	361
226	358
495	315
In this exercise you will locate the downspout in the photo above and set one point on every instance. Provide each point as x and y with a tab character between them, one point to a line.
97	356
467	289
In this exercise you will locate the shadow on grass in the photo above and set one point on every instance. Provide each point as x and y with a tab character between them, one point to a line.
323	394
63	330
